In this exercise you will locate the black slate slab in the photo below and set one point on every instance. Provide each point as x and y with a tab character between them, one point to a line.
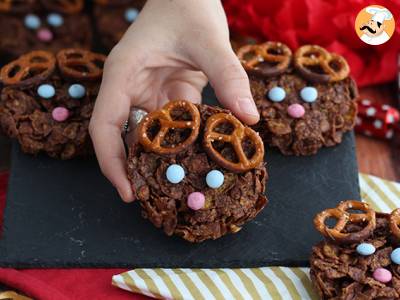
66	214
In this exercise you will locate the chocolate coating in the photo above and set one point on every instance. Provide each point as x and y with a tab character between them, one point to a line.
339	272
27	117
227	208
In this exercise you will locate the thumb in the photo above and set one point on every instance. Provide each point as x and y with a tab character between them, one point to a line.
230	83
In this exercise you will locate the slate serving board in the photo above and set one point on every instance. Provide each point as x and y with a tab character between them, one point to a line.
66	214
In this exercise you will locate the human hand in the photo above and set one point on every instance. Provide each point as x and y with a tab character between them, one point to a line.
167	53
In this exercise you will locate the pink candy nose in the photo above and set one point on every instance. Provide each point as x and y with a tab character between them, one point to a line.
45	35
60	114
196	200
296	110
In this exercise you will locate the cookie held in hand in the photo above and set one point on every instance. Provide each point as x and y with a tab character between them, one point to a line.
47	101
42	25
197	171
306	100
360	258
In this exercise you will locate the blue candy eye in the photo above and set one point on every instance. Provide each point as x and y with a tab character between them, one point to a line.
55	20
32	21
46	91
175	173
309	94
276	94
131	14
365	249
215	179
76	91
395	256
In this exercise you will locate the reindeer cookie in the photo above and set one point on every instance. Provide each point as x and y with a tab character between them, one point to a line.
306	100
113	17
197	171
360	258
47	100
50	25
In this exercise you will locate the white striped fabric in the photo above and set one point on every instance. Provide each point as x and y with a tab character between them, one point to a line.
280	283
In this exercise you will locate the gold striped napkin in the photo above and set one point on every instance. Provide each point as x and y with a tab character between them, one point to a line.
257	283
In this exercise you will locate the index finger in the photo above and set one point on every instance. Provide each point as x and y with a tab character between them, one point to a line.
109	114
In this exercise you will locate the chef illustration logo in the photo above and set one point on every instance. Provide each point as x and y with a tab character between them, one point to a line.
375	25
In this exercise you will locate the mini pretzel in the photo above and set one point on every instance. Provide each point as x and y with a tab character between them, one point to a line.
343	217
394	223
80	64
64	6
14	6
167	123
309	56
29	69
236	138
5	5
277	55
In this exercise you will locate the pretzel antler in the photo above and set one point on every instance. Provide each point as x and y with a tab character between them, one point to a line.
5	5
319	65
159	144
268	59
236	139
81	64
343	217
64	6
17	6
29	69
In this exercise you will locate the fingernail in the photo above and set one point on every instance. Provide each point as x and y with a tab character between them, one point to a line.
247	106
124	196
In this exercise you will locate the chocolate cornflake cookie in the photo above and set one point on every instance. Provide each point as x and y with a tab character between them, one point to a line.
47	101
197	171
306	101
113	17
360	257
49	25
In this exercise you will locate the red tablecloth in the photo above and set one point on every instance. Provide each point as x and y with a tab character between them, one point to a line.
61	284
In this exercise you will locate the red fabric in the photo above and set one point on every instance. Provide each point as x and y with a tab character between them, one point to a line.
324	22
62	284
376	119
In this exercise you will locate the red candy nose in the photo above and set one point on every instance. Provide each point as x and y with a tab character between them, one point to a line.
45	35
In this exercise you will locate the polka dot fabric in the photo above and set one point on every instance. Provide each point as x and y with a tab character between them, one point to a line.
377	120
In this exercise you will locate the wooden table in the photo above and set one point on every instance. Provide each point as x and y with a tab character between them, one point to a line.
379	157
376	157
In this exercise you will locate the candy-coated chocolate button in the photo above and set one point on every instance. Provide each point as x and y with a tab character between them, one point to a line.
382	275
196	200
276	94
296	110
55	20
32	21
395	256
60	114
215	179
76	91
365	249
46	91
309	94
131	14
44	35
175	173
